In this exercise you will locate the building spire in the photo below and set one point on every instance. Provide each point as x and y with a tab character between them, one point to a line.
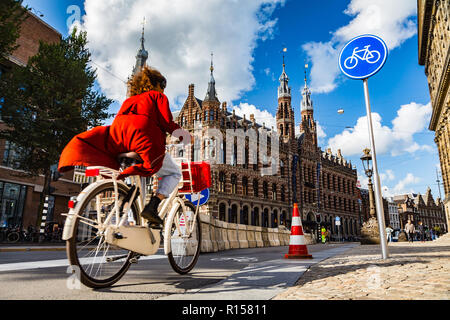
211	94
283	89
307	103
142	56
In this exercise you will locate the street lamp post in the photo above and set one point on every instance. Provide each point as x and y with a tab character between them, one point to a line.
370	228
366	160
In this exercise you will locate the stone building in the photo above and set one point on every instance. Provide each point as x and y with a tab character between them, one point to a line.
322	183
416	207
394	218
434	54
19	193
239	194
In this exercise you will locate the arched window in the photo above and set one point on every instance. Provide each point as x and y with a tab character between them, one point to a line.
245	215
274	191
222	181
233	184
234	213
265	219
256	217
282	168
197	116
222	212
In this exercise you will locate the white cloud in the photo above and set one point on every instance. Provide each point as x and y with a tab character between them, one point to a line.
411	119
261	116
401	186
390	20
180	35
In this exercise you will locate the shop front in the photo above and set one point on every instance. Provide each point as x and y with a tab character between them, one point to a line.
12	203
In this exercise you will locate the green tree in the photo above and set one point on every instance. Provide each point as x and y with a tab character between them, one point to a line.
49	101
12	14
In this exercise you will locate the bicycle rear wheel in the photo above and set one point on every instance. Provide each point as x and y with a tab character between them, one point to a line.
99	264
13	237
185	246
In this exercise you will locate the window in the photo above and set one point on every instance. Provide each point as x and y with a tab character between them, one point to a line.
221	181
255	188
282	168
265	190
211	115
245	186
10	155
12	199
233	184
274	191
206	116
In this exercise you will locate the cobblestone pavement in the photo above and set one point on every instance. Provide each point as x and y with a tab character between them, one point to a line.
414	271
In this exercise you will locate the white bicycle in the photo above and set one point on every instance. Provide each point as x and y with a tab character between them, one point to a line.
105	233
367	55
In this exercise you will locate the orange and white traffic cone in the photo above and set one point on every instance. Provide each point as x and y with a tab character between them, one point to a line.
297	243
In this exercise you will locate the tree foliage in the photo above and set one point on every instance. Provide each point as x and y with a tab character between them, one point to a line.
12	14
49	101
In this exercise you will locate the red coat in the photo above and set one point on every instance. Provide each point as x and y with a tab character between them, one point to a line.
140	126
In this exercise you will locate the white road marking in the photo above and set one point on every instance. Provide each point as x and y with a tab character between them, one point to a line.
53	264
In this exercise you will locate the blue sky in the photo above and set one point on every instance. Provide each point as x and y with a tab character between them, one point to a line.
248	64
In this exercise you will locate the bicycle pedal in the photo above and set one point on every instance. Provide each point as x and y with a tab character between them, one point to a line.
135	259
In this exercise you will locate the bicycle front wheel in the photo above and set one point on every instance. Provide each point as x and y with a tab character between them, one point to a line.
13	237
98	263
185	239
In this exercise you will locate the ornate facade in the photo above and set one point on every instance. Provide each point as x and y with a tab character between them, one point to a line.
416	207
323	184
434	54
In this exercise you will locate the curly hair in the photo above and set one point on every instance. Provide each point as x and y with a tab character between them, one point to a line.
147	79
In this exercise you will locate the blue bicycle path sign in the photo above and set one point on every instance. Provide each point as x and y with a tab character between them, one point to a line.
363	56
194	198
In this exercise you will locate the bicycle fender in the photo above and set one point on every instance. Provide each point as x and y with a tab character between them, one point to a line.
69	224
168	227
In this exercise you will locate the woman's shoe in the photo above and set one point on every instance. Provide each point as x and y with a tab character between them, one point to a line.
150	211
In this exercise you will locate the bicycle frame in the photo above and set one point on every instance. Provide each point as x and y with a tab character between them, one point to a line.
169	207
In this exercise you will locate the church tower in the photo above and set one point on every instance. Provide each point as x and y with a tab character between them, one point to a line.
141	58
307	113
285	113
211	104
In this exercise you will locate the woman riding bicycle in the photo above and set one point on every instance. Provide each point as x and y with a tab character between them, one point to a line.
140	126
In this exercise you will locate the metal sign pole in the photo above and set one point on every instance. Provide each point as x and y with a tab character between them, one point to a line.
378	196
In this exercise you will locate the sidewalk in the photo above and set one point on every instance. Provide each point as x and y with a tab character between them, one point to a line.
414	271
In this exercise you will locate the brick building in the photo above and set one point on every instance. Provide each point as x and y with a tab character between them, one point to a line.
434	53
322	183
19	193
416	207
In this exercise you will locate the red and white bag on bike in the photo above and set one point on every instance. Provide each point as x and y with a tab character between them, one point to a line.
201	177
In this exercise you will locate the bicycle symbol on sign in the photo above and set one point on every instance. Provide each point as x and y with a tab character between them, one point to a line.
367	55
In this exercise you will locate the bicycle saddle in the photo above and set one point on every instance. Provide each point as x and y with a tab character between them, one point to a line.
129	159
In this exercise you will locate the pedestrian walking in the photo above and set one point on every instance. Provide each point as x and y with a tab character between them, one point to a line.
431	234
389	231
421	232
410	229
